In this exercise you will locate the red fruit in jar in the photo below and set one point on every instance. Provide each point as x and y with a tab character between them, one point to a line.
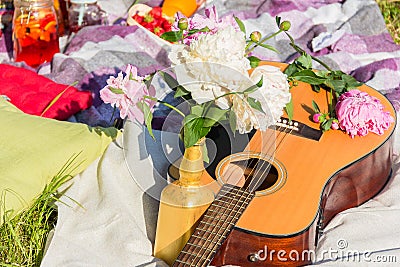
139	19
156	12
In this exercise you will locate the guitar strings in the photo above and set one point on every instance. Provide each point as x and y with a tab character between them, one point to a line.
219	229
229	214
266	170
233	209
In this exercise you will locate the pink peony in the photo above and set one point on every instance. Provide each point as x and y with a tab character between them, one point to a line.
125	92
360	113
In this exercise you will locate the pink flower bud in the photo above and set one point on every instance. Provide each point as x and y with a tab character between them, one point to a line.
334	125
316	117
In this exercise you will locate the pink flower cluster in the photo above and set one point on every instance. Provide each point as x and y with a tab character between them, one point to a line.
360	113
125	92
210	20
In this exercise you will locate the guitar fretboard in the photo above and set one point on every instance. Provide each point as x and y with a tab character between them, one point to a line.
216	224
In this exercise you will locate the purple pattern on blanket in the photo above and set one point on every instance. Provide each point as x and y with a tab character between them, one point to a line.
356	44
367	72
274	7
103	33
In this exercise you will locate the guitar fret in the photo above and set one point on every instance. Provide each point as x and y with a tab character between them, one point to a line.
196	246
226	202
189	243
221	217
202	238
212	225
239	209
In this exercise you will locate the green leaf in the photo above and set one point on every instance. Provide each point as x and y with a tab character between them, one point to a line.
197	110
254	87
205	153
270	47
205	29
209	122
315	88
172	36
254	103
181	91
278	21
315	107
254	61
337	85
251	89
193	130
323	73
171	81
308	76
116	90
351	82
326	125
305	61
291	69
148	116
289	108
260	82
241	25
214	115
232	120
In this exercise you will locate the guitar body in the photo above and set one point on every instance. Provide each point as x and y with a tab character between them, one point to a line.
347	188
313	177
321	178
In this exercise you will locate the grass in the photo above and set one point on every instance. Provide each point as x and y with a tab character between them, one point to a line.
391	13
23	236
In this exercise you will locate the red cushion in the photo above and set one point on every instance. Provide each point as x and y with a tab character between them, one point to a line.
32	93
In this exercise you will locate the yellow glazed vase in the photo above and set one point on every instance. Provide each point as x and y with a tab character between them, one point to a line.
181	205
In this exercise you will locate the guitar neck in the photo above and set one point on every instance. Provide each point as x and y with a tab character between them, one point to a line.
215	225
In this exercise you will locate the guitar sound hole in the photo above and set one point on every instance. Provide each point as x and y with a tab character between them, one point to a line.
262	171
252	172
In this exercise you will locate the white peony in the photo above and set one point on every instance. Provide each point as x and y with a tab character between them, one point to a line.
273	96
212	65
274	93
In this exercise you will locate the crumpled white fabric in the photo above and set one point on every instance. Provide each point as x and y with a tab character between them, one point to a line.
115	224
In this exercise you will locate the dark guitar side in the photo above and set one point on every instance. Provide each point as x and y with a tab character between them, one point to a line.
348	188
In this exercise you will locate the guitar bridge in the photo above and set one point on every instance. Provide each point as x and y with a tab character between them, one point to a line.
297	128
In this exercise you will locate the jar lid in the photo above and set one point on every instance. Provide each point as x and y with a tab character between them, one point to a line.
83	1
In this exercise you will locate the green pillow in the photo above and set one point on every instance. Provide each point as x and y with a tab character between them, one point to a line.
34	149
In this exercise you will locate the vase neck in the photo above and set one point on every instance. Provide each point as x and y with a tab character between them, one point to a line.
192	165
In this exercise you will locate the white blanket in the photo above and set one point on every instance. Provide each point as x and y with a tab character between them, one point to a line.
115	224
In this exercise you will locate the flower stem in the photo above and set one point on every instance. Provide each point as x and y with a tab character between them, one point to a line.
248	51
165	104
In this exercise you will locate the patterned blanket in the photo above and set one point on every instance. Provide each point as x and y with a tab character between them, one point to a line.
349	35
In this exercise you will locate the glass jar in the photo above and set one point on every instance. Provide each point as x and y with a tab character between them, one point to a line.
6	14
35	33
83	13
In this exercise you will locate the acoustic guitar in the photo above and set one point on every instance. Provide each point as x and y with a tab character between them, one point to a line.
308	176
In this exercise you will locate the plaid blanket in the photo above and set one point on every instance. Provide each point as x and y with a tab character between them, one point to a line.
346	34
